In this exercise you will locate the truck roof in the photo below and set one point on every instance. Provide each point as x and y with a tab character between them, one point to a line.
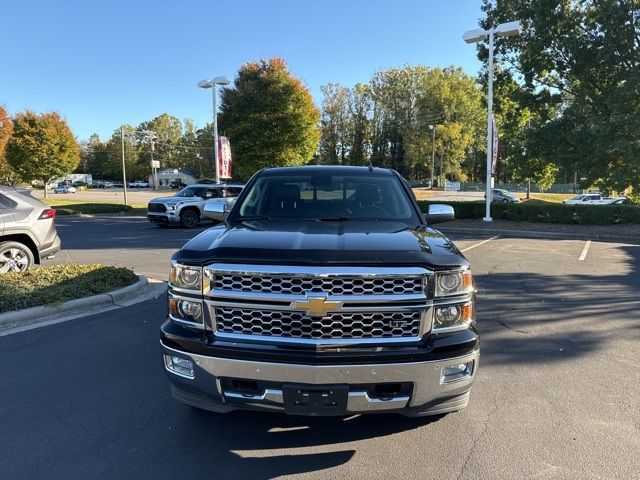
328	170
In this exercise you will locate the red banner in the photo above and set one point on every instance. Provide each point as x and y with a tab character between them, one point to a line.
224	157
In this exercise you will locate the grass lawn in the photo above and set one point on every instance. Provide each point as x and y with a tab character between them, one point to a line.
59	283
542	198
74	207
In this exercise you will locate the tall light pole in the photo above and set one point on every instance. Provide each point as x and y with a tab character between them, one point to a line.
508	29
433	152
124	171
213	84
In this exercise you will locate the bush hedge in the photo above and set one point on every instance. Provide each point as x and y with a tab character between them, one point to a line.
59	283
90	208
549	213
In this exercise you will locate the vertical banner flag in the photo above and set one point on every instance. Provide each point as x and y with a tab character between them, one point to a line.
224	157
495	145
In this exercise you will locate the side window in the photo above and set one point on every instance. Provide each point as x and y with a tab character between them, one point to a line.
6	203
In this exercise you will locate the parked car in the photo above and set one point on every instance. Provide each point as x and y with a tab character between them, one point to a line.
186	208
27	230
325	291
620	201
589	199
139	184
65	189
502	195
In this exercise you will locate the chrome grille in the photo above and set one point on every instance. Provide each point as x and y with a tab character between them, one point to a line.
292	324
339	285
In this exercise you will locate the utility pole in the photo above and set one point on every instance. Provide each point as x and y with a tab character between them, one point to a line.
152	136
433	153
124	171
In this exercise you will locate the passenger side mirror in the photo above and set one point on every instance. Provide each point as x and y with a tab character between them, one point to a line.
439	213
215	211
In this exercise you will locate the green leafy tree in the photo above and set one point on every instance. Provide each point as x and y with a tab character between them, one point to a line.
335	124
579	61
269	117
7	175
42	147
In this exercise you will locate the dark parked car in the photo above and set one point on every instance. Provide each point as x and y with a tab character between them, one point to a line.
27	230
502	195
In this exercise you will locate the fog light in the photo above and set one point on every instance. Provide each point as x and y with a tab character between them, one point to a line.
179	366
452	373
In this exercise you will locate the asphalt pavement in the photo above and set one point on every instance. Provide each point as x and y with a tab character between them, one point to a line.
556	395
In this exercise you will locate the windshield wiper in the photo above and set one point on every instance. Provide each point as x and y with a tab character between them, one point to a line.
253	217
344	219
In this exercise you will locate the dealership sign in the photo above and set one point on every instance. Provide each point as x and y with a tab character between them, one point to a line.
224	157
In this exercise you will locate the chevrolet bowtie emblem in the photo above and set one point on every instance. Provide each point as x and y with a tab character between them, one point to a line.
317	306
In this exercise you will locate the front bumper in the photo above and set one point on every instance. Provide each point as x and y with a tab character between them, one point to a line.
163	218
210	388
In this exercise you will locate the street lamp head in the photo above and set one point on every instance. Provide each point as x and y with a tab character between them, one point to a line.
213	81
508	29
474	36
221	80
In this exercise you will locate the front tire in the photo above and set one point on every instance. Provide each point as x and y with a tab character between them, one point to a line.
15	257
189	219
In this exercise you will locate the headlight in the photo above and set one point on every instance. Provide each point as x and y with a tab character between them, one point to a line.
185	276
452	316
453	283
185	310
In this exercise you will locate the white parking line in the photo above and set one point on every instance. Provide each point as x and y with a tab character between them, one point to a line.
478	244
583	255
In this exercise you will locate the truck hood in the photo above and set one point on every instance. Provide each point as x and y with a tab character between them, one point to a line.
322	243
172	200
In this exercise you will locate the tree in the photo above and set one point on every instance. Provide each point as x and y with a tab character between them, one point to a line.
269	117
335	124
42	147
579	62
7	175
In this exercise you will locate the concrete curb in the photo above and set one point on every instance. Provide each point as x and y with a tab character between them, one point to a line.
548	235
26	319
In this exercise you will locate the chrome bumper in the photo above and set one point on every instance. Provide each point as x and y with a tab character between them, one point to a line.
430	395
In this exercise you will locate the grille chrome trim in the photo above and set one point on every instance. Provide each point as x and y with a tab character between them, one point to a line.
372	311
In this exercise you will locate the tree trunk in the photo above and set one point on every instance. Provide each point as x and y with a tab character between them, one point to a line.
528	189
45	188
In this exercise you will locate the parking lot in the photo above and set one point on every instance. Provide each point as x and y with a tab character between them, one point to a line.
556	394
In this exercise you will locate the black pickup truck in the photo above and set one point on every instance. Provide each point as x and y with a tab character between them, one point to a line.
323	291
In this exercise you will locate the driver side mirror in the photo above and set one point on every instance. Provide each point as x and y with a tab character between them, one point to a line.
215	211
439	213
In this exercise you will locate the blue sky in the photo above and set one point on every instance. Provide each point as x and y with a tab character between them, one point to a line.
104	63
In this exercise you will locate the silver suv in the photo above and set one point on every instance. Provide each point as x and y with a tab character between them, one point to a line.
27	230
186	208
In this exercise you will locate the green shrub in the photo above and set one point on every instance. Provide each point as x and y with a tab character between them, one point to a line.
547	213
91	208
59	283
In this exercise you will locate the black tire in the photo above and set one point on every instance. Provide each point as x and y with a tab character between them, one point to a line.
15	257
505	201
189	218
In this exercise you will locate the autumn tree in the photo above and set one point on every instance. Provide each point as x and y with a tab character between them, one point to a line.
269	117
42	147
7	175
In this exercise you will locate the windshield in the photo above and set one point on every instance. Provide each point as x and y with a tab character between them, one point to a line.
319	196
202	192
578	197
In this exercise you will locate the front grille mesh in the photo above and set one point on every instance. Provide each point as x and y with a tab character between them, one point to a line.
156	208
329	285
292	324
